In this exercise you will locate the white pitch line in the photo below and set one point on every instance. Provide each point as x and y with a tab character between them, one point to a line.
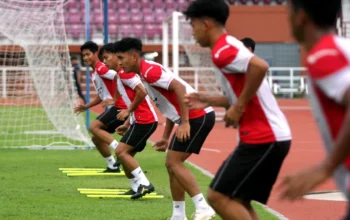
212	150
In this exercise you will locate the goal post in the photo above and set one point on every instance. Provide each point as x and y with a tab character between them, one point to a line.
37	94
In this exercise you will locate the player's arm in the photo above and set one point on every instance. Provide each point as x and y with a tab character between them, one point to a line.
180	91
97	100
169	125
83	107
341	149
256	73
157	76
140	94
106	73
134	82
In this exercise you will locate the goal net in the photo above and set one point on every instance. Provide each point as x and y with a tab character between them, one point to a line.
189	60
37	94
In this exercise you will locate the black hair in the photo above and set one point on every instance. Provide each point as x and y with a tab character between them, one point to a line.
73	58
323	13
89	45
127	44
217	10
110	48
248	42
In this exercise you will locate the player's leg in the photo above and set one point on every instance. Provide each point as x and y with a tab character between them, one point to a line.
103	148
235	184
132	180
178	196
177	154
101	127
135	139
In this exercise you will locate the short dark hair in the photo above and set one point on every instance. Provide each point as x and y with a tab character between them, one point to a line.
248	42
73	58
217	10
89	45
109	47
127	44
323	13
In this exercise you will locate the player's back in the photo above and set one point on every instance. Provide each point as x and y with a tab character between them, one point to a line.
157	80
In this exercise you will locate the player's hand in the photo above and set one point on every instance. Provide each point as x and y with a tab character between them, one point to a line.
196	100
121	129
183	132
297	185
123	114
233	115
107	102
80	108
161	145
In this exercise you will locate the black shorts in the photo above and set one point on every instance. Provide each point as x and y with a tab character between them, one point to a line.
250	171
109	119
138	134
200	128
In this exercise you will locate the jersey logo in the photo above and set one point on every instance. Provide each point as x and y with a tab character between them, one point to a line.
312	58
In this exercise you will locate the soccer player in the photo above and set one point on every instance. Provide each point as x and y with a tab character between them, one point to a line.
106	123
77	76
167	91
143	120
264	134
328	62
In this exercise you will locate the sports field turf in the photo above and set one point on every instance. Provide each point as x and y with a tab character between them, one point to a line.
32	187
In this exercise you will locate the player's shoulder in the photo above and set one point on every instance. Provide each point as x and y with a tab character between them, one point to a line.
328	56
101	67
150	69
226	49
123	75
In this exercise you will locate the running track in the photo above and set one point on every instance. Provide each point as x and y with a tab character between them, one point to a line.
306	150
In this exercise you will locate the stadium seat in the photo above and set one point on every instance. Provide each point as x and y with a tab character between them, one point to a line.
138	30
125	30
133	4
256	1
113	29
158	4
146	4
136	18
121	4
150	30
148	17
124	18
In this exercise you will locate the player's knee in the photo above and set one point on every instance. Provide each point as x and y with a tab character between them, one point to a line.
170	164
121	151
95	140
214	198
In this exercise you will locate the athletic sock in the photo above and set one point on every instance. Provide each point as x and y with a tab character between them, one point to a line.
179	209
199	202
114	144
140	176
110	162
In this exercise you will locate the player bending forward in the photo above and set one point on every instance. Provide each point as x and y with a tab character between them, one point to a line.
251	170
167	91
143	121
106	123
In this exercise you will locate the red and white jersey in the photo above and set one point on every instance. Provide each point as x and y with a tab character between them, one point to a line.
126	84
328	65
104	83
157	80
262	121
